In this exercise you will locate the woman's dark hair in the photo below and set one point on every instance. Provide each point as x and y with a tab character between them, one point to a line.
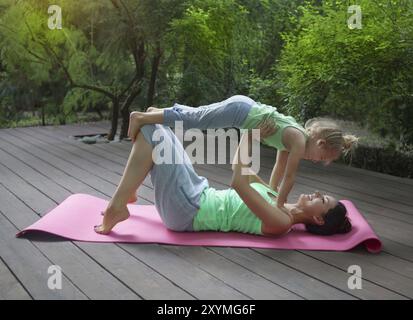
335	221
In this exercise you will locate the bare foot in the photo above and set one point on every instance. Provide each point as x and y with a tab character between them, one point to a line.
111	218
152	109
135	124
133	199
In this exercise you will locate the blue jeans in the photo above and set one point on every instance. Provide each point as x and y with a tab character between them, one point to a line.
228	113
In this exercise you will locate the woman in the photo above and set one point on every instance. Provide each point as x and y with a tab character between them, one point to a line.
185	201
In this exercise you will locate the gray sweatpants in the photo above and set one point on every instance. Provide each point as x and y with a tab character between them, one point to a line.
177	186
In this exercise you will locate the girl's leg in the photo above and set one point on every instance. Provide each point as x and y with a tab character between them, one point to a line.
224	114
138	165
227	113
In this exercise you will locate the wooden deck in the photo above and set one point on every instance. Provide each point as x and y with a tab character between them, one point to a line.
41	166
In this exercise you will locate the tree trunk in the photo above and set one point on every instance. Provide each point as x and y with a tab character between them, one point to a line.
135	88
155	66
43	116
125	113
115	117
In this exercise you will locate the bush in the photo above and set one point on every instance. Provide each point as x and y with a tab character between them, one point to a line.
382	159
364	75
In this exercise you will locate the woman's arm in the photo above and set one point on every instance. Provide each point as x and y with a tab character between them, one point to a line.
279	169
253	177
240	183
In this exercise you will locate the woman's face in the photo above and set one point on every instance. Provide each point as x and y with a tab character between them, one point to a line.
316	204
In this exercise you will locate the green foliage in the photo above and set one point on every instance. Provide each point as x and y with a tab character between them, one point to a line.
328	69
297	55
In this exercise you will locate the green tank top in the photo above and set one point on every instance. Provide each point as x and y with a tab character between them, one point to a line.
224	210
260	112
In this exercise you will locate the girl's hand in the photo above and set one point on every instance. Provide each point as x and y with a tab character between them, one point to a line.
267	128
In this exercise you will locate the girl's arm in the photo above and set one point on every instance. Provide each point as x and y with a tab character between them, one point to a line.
295	142
240	183
279	169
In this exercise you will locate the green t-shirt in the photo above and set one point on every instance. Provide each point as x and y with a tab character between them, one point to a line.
260	112
224	210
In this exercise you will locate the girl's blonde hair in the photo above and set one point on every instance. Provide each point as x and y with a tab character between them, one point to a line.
329	130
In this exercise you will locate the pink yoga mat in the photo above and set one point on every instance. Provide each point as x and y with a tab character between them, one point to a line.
75	217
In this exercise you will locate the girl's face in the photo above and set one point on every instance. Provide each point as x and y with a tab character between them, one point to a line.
316	205
317	151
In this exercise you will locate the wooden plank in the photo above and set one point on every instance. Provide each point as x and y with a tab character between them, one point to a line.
195	280
346	174
141	278
91	278
303	284
363	185
30	265
398	249
239	277
333	276
370	271
10	288
90	168
345	170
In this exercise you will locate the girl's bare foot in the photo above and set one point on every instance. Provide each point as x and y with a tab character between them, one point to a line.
111	218
135	124
152	109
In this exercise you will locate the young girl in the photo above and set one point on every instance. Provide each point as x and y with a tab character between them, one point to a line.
185	201
320	140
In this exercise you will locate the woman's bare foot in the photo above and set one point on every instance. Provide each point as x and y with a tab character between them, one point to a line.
111	218
133	199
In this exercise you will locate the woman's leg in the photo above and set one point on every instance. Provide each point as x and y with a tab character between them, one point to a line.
138	165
